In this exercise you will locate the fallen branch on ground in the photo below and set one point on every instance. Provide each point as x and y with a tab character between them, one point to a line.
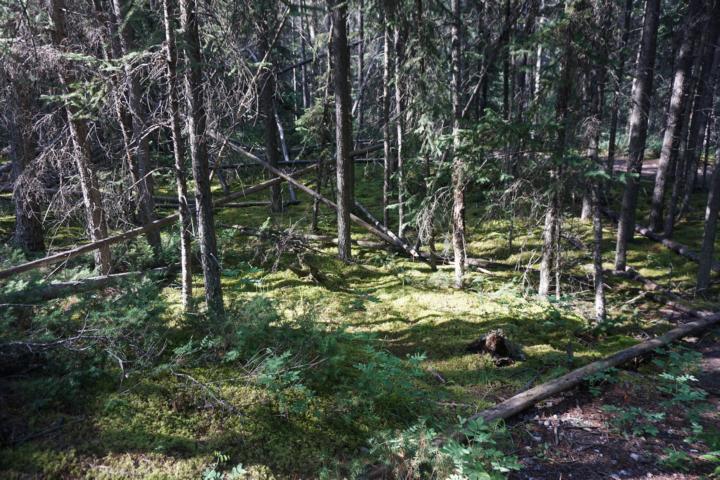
676	247
526	399
163	222
60	289
359	221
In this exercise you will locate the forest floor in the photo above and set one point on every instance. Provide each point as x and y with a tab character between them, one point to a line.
161	425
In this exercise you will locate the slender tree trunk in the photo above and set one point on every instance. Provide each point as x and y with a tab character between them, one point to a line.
138	142
399	129
267	107
28	232
703	104
196	120
360	72
552	229
458	165
678	99
185	219
343	129
387	147
617	93
638	129
711	219
92	200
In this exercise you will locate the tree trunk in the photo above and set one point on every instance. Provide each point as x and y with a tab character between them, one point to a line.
185	220
551	233
138	142
678	99
399	129
92	201
617	94
343	129
458	165
28	232
711	219
387	148
267	107
196	120
638	129
703	104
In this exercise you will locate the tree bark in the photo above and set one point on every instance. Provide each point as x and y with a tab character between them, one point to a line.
28	232
617	93
678	99
458	165
197	134
387	148
710	230
399	128
183	209
343	128
551	232
138	141
638	129
267	108
92	200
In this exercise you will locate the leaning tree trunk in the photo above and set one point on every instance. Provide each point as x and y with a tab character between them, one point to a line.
92	200
28	232
343	129
710	232
458	165
638	129
196	120
678	99
185	221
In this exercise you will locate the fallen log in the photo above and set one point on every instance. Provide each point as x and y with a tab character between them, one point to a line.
359	221
679	248
61	289
521	401
156	224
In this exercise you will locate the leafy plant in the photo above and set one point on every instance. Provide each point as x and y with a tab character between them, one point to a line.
634	420
596	380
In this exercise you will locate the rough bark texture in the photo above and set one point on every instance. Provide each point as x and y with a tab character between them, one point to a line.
183	208
678	99
92	201
458	165
638	122
343	129
198	153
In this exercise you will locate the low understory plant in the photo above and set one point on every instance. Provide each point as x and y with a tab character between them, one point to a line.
417	453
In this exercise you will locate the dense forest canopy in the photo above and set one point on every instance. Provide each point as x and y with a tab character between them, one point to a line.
355	239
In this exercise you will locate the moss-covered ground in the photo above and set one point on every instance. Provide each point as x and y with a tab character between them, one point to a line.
161	425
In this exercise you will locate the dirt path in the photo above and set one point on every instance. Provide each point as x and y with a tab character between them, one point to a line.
573	436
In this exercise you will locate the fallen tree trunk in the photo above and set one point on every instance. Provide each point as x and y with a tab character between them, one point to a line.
676	247
160	223
359	221
60	289
521	401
